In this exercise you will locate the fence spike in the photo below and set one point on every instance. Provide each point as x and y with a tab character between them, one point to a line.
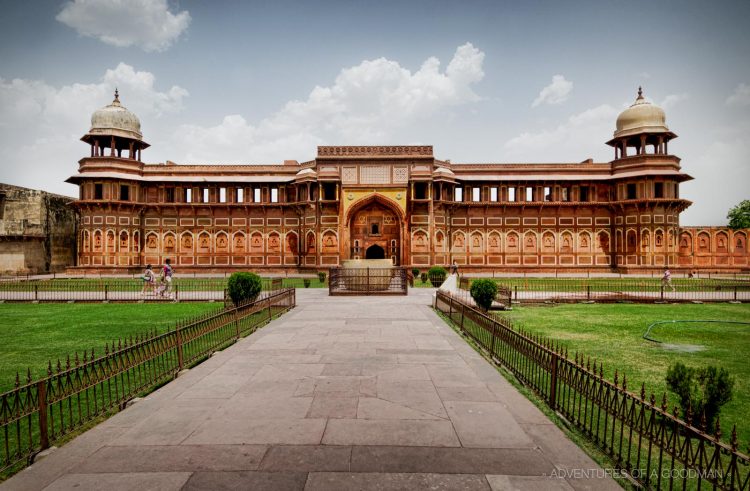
588	363
643	391
67	363
703	421
76	361
616	377
92	354
624	382
664	404
676	411
49	368
106	349
601	370
18	380
85	356
689	414
652	400
28	375
59	366
119	344
733	439
717	429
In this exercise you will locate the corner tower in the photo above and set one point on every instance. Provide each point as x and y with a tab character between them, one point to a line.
115	132
645	188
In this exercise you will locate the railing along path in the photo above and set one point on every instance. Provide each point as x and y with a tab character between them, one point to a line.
74	394
646	442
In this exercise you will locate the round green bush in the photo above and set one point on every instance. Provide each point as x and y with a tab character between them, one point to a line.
483	292
423	277
244	287
322	276
437	275
415	272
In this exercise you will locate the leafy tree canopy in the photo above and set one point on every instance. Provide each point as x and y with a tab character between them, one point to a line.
739	216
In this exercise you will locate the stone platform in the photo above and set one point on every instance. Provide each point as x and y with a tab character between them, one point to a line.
340	393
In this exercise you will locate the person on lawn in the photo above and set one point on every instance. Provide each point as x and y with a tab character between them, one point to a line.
149	281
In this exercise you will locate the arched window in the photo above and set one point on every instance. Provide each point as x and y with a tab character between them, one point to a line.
375	229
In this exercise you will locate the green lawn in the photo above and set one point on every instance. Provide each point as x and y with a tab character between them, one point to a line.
612	333
33	334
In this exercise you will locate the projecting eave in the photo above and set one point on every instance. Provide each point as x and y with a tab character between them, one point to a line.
177	178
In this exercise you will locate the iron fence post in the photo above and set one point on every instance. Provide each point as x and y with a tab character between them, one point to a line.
106	291
588	292
661	295
494	335
553	381
176	292
735	293
36	292
516	290
270	313
367	288
178	341
41	391
463	310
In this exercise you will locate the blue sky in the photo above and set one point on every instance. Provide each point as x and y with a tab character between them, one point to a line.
261	82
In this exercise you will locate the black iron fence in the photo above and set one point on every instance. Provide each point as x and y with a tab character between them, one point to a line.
368	281
120	290
37	413
646	441
625	289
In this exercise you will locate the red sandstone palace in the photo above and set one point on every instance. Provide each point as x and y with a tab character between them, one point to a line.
396	202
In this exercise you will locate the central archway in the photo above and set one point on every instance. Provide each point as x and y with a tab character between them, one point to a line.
375	252
374	225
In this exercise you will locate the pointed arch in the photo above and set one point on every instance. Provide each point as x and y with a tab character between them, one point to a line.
584	241
566	242
476	242
722	242
136	241
704	242
221	241
124	241
291	243
152	242
603	242
439	241
170	242
256	242
239	242
494	242
110	241
373	198
548	241
530	241
312	245
204	242
187	242
458	242
85	241
273	242
512	242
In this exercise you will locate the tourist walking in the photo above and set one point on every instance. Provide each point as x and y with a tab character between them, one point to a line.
167	274
149	281
666	280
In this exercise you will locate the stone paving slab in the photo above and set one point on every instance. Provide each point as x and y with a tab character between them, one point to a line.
339	393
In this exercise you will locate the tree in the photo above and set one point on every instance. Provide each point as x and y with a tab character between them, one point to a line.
244	287
483	292
704	390
739	216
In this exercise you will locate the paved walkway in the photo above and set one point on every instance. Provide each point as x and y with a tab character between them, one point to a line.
340	393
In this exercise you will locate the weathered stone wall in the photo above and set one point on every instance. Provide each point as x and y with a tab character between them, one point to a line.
37	231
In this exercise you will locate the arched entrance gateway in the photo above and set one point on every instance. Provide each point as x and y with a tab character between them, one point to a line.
374	227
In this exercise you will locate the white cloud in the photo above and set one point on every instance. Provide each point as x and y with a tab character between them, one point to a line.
366	104
556	92
40	125
672	100
145	23
740	97
570	141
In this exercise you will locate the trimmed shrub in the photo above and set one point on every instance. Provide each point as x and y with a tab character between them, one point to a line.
703	390
322	276
415	272
483	292
423	277
306	282
437	275
244	287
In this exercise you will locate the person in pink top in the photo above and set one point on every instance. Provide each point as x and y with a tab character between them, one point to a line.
666	280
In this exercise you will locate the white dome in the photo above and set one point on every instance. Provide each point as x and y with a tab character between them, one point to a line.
116	120
641	117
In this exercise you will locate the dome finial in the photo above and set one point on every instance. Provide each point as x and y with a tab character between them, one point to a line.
640	93
117	96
